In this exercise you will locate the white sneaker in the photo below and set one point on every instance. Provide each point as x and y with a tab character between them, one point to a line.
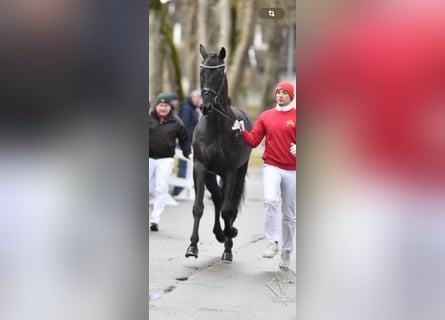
271	251
284	260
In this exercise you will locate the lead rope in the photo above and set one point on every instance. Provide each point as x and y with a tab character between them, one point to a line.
225	115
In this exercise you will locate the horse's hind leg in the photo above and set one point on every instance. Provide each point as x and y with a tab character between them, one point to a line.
233	196
217	199
198	208
229	206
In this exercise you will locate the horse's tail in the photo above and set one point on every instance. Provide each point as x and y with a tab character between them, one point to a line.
240	184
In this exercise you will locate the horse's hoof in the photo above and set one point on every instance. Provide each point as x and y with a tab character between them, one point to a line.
227	257
192	252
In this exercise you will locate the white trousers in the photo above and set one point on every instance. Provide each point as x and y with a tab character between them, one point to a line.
160	171
376	251
278	182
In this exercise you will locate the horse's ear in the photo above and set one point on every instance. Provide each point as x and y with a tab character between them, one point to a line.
222	53
203	51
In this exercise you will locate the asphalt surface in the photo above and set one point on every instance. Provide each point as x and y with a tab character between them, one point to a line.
205	288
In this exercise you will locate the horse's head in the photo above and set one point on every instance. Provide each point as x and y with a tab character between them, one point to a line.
213	80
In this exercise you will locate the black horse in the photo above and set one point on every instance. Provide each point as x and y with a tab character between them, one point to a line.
218	150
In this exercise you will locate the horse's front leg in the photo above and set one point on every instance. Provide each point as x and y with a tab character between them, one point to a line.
217	197
199	173
227	255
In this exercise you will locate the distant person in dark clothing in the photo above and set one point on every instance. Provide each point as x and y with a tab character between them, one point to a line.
189	114
189	111
164	129
174	101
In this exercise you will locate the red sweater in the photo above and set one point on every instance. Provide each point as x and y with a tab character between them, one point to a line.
385	76
279	128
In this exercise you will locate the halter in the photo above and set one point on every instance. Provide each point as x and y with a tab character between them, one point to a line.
214	95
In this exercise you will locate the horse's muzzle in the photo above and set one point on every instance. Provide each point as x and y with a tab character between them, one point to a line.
205	108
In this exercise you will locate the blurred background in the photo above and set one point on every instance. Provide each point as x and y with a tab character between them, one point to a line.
72	149
260	48
371	159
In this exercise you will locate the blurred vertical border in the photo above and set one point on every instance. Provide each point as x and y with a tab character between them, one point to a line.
371	159
73	151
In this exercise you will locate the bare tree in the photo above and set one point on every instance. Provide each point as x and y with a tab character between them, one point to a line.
224	8
277	35
239	56
203	21
172	64
191	44
164	61
216	23
274	33
156	49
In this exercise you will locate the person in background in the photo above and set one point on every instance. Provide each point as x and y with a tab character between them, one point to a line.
164	129
189	114
174	101
278	126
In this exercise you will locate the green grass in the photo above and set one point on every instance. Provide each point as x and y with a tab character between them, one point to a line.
255	160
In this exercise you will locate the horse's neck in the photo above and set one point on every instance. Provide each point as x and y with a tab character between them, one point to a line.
225	101
217	125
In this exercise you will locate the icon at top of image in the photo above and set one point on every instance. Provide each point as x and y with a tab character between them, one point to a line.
271	13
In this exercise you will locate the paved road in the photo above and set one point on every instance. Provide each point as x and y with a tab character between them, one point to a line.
205	288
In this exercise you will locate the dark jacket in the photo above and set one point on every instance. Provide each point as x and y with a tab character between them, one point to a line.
163	135
189	115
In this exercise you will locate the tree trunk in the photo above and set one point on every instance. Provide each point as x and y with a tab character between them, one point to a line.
156	51
224	28
173	64
271	72
239	56
192	48
203	13
193	73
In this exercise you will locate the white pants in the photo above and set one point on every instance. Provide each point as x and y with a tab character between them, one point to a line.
277	181
376	251
160	171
